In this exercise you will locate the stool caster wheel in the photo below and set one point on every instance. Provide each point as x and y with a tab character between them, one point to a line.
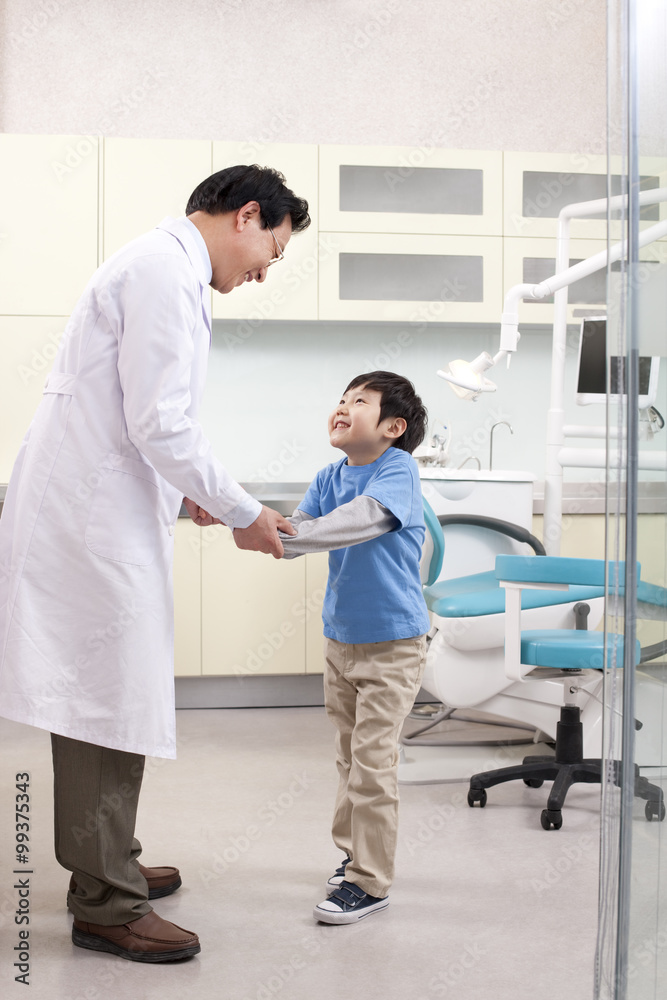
533	782
655	808
477	795
551	818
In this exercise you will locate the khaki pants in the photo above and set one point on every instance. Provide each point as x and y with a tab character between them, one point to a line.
96	792
369	689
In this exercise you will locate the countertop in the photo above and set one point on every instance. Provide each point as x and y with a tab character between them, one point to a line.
578	497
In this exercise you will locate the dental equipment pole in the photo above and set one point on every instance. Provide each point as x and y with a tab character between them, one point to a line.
556	455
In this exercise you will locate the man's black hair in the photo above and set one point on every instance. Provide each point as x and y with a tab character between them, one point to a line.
231	188
399	399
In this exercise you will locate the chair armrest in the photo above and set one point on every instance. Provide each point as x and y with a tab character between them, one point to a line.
554	569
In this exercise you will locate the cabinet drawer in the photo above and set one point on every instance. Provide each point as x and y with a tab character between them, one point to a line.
403	189
412	278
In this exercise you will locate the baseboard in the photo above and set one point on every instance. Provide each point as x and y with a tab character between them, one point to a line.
278	691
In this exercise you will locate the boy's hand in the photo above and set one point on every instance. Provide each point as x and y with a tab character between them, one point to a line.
262	534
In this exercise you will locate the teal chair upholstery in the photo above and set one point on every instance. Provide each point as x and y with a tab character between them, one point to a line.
572	650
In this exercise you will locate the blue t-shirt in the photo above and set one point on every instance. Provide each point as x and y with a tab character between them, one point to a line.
374	591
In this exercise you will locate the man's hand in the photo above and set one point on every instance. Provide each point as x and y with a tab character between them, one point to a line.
262	534
199	515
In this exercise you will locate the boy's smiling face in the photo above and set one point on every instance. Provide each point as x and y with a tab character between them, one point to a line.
355	428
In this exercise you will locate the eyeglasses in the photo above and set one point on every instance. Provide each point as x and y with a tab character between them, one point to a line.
281	255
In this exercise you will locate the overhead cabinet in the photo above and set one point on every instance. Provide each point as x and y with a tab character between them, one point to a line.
404	189
411	278
538	185
146	179
48	221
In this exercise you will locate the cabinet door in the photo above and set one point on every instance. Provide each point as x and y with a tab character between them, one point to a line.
48	248
317	571
412	278
146	179
290	289
533	260
539	185
252	610
403	189
187	598
28	346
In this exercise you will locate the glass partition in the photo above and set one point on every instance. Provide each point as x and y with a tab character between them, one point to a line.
632	939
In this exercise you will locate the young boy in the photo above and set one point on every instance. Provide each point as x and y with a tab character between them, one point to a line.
367	508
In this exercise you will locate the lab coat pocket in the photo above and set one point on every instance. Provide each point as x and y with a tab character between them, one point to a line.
123	522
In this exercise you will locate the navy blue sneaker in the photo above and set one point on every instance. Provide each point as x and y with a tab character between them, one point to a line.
347	904
337	876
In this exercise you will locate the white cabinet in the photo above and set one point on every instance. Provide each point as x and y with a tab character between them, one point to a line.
403	189
534	260
290	289
411	278
252	610
48	225
187	598
539	185
146	179
28	346
317	571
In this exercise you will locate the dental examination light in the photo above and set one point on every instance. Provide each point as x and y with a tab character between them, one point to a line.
467	378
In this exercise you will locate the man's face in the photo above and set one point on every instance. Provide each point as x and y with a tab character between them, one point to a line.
245	254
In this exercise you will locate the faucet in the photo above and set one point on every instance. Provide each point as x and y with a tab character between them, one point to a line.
491	439
472	458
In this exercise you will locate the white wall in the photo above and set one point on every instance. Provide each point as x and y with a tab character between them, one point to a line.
482	74
269	396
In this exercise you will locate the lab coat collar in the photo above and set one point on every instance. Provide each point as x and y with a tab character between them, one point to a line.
193	243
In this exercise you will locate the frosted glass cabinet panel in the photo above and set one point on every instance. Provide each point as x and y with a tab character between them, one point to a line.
534	260
48	248
146	179
539	185
290	289
403	189
412	278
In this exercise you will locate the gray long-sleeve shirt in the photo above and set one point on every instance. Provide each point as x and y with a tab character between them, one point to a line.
360	520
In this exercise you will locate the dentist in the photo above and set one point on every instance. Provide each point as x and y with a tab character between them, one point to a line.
86	538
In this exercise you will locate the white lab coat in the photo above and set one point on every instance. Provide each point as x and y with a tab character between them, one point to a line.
86	536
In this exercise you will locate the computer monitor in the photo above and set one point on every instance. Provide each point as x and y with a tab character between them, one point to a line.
592	370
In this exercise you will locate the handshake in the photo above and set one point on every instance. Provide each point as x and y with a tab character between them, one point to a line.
260	536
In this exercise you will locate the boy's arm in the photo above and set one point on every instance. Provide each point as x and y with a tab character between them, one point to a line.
360	520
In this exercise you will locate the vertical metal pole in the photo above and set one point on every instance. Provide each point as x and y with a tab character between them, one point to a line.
632	418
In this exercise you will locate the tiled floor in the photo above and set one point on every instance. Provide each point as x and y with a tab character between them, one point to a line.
485	904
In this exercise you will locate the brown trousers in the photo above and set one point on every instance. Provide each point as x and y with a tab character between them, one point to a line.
96	793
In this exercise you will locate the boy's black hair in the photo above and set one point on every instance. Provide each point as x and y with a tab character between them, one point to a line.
231	188
399	399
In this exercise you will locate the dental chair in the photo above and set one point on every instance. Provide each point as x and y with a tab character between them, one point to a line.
465	665
573	653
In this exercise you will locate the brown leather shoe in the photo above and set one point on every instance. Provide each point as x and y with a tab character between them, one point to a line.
147	939
161	881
